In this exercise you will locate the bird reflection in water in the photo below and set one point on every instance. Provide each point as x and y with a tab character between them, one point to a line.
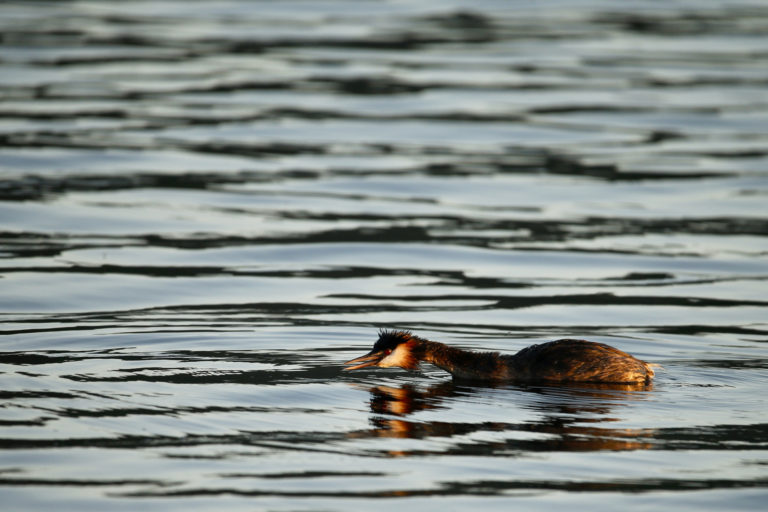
567	417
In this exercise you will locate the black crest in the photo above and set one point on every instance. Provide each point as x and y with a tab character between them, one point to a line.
388	340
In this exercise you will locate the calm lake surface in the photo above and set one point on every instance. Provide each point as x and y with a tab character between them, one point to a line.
206	207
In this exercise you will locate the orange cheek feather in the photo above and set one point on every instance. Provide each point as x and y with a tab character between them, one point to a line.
401	357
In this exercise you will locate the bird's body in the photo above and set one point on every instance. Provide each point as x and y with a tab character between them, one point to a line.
566	360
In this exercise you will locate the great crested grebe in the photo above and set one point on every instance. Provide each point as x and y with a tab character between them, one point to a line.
565	360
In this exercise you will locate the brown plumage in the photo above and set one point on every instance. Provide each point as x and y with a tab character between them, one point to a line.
564	360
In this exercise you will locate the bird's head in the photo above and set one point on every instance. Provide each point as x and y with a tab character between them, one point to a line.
392	349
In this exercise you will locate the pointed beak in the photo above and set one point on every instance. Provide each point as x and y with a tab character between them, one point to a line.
369	359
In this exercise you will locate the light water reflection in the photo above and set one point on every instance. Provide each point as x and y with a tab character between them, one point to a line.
561	415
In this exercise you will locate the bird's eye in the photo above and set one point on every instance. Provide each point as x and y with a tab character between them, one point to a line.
388	351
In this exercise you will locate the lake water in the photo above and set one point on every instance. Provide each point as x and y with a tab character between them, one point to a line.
206	207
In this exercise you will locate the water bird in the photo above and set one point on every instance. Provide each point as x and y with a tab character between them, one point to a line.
565	360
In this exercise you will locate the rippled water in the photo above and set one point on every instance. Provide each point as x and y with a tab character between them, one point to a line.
207	206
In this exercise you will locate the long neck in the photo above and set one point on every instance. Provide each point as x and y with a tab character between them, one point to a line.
464	364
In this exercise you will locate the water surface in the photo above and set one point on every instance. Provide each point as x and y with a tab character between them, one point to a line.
206	207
